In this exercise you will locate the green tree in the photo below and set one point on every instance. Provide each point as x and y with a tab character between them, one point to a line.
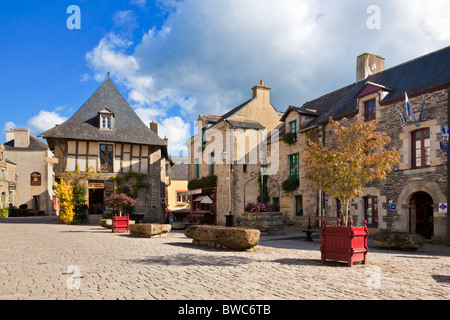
356	155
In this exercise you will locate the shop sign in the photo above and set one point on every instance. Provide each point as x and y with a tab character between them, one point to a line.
35	179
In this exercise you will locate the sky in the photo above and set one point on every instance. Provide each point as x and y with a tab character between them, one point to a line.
175	59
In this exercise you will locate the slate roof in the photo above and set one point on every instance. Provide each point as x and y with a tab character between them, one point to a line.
84	124
35	144
413	77
179	171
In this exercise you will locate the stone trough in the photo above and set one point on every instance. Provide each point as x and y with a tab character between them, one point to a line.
149	230
235	238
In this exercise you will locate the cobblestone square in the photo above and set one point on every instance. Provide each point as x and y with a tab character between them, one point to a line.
53	261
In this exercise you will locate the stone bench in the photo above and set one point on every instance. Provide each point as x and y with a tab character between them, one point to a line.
149	230
236	238
399	241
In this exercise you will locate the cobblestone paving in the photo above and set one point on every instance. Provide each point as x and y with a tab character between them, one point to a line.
53	261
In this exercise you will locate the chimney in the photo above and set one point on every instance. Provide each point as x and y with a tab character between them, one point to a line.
368	64
261	91
9	135
21	138
166	141
154	126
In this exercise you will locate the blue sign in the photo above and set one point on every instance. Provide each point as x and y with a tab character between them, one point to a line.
393	206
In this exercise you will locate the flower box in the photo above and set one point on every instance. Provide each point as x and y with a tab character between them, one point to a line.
120	223
347	244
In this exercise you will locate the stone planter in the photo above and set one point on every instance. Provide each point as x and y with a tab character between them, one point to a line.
347	244
268	223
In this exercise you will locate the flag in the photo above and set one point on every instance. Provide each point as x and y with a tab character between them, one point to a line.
402	118
409	112
421	112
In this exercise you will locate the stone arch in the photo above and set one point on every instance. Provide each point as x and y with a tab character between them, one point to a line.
404	202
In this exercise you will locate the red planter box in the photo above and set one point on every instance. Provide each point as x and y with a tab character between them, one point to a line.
120	223
347	244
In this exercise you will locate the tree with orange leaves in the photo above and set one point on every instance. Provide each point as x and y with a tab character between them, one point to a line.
356	155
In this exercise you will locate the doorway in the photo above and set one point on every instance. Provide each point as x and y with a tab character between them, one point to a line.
421	215
96	197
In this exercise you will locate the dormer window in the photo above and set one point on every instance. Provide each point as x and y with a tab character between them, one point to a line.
370	110
106	119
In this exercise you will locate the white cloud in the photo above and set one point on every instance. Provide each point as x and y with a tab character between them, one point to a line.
140	3
44	120
208	54
177	132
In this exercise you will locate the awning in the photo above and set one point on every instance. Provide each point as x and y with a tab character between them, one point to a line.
204	199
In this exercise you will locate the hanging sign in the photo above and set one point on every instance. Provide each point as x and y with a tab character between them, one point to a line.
442	208
35	179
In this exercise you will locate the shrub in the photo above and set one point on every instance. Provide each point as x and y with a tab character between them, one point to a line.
262	207
290	138
64	191
120	201
23	206
205	182
290	184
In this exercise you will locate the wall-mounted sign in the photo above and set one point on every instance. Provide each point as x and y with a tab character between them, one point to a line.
442	208
393	206
96	185
35	179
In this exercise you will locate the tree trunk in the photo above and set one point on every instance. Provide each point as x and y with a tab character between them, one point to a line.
344	212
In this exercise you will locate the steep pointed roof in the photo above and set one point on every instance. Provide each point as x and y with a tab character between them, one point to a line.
84	124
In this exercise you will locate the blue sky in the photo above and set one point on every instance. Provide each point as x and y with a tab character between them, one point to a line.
175	59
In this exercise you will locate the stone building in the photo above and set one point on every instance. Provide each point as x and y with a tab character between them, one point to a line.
409	199
8	180
106	136
227	147
34	171
177	199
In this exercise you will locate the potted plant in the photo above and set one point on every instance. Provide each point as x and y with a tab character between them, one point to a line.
118	202
355	156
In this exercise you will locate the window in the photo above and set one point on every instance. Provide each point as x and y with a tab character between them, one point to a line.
182	198
276	201
3	175
370	110
244	168
371	211
299	206
106	117
421	148
105	122
197	169
106	157
293	128
293	166
2	201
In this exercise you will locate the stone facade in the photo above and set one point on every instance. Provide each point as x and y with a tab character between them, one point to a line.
8	180
412	193
34	172
236	156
